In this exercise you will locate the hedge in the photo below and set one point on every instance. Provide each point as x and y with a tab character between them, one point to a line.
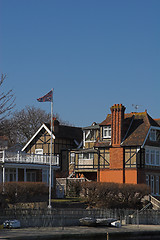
22	191
114	195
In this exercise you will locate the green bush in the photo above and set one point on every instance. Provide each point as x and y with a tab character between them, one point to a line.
114	195
23	191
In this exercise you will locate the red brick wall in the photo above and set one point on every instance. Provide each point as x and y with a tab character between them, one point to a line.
107	175
131	176
116	158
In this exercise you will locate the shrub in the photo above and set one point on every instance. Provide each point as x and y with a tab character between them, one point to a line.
23	191
114	195
73	188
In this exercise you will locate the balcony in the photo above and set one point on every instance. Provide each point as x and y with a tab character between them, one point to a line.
25	158
85	164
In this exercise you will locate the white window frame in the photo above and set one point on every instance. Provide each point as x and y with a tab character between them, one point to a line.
89	157
106	131
72	158
39	151
152	156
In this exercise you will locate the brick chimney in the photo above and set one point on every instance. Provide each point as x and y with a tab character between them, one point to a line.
55	125
117	117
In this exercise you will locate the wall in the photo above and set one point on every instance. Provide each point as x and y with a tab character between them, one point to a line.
116	158
108	175
131	176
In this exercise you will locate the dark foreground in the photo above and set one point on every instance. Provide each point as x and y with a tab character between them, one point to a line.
84	233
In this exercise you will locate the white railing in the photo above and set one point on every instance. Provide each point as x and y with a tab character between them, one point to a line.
85	163
21	157
155	202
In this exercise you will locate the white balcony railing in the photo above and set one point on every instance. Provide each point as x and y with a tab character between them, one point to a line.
21	157
85	163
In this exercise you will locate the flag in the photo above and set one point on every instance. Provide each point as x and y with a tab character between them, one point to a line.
46	98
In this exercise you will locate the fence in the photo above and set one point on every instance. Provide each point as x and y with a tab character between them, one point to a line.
70	217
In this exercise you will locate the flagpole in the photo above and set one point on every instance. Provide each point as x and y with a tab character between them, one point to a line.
50	167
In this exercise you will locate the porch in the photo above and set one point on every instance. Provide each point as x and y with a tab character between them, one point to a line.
22	157
21	166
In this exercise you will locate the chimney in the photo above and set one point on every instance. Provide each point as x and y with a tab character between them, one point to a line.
117	117
55	125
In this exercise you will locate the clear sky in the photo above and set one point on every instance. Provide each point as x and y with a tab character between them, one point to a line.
93	53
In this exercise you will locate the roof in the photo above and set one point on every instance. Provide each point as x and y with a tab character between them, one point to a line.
93	126
102	144
67	132
107	121
157	121
135	127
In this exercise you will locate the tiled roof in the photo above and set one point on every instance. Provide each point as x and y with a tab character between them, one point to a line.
157	121
68	132
137	132
93	126
135	127
102	144
107	121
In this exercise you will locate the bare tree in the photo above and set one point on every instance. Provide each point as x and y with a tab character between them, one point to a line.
7	100
23	124
27	121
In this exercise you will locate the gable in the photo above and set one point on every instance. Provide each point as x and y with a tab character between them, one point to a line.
36	134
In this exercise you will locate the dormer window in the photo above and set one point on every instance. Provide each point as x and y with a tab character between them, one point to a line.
152	135
107	132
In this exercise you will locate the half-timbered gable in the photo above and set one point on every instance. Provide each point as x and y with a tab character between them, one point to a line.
64	139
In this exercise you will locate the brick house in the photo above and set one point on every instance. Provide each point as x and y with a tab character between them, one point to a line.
124	148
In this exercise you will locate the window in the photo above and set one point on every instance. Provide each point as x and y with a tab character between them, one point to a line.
152	135
10	174
107	132
152	157
157	185
147	180
31	176
72	158
157	158
147	157
45	176
86	156
152	184
38	151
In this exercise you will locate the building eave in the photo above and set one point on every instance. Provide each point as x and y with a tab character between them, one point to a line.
152	127
43	126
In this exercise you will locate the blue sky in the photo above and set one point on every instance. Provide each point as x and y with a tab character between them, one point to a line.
93	53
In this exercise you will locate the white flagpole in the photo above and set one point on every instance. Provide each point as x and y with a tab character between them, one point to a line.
50	167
